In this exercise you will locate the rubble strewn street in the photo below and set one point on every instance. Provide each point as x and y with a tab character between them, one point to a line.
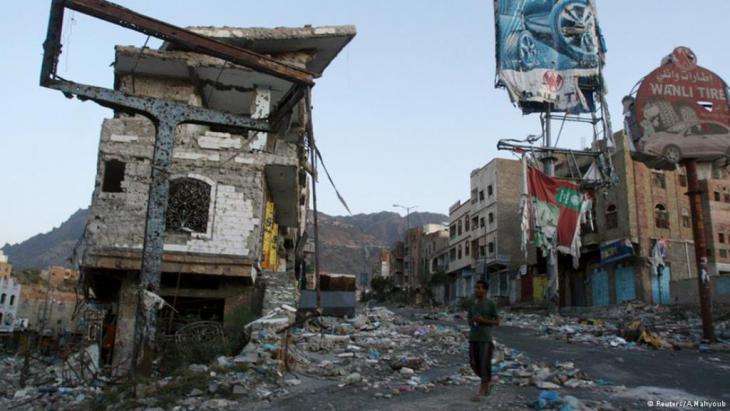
633	325
386	358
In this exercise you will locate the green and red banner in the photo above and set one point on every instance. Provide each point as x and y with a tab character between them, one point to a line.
557	206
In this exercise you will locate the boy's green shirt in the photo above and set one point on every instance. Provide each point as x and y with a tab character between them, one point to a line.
486	309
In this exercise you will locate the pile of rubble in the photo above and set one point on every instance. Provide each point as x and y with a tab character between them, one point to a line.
629	326
41	383
376	351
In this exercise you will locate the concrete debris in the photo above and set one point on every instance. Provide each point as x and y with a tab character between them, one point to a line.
376	351
633	325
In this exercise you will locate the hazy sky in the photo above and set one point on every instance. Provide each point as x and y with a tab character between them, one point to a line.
401	116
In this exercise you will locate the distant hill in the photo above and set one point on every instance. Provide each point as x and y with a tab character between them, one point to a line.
352	244
349	244
52	248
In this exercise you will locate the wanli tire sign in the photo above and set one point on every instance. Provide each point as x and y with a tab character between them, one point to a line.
680	112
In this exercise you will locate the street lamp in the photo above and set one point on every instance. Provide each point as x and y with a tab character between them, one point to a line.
408	213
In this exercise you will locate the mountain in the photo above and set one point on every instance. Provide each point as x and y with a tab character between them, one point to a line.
352	244
348	244
52	248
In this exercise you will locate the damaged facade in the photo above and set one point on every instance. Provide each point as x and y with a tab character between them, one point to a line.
235	219
618	262
9	296
484	240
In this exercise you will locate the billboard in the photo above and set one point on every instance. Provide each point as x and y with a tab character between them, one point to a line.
680	112
549	51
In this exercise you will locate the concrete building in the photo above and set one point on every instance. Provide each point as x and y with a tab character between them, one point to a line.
495	236
382	266
420	246
460	252
238	199
396	264
437	264
48	310
648	206
10	291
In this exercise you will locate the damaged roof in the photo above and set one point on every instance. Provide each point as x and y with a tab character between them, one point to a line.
229	87
325	42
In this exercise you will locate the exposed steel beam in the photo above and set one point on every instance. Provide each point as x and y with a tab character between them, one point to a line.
121	16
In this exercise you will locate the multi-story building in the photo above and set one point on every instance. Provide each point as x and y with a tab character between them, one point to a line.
496	236
460	250
716	208
418	250
641	243
237	198
436	262
10	291
382	266
396	264
420	247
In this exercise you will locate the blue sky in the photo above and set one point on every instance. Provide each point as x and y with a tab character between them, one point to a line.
402	116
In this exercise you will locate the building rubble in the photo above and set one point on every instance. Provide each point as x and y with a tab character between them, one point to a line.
633	325
376	351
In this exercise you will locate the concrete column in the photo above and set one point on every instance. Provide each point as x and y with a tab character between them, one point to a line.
126	318
260	108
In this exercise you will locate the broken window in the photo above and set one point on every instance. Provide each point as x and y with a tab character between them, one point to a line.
187	206
658	179
490	191
474	223
661	216
611	216
685	218
113	176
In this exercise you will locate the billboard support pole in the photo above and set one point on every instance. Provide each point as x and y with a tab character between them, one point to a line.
552	263
698	231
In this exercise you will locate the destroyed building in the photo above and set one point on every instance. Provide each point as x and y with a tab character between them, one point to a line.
9	296
640	245
237	199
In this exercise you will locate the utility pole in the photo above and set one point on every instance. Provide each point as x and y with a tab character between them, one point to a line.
552	264
698	231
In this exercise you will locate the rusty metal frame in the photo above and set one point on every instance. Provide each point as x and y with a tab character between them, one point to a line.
166	115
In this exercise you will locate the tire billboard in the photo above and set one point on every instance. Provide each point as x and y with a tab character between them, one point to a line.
549	51
680	112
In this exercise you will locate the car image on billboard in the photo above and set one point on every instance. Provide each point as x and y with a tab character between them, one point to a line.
706	140
680	112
